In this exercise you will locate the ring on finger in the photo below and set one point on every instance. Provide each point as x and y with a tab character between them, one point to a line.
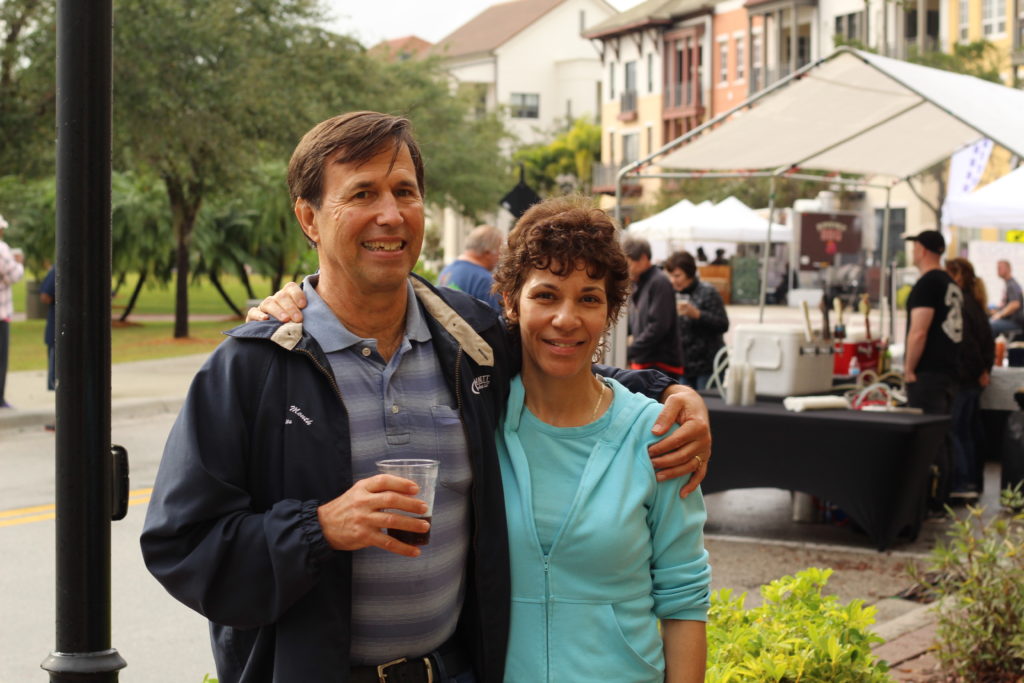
700	461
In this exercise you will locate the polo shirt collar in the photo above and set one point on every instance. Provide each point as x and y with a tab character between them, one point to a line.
332	335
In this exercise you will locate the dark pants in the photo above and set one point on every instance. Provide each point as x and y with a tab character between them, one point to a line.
4	332
967	466
51	367
933	393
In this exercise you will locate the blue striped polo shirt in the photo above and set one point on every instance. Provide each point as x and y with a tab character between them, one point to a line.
402	408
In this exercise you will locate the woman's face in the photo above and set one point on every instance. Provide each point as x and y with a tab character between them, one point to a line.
561	321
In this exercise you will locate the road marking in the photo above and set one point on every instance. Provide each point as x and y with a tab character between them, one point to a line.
41	513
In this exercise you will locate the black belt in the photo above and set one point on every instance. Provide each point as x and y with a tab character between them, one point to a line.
423	669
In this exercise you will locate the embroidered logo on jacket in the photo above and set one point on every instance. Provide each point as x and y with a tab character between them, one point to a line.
481	382
298	413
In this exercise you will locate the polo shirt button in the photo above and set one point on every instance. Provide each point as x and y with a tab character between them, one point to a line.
366	351
394	409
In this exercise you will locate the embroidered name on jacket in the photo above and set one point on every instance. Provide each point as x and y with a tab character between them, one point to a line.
298	413
481	382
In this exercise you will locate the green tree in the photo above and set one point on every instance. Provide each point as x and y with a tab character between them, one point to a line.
570	155
979	58
30	206
201	87
140	233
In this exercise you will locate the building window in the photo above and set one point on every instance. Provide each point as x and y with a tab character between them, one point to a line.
723	62
741	60
583	20
848	26
630	84
611	81
650	72
650	139
755	61
965	20
630	147
525	105
993	17
611	147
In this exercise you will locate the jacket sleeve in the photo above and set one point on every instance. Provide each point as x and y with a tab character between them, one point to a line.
679	563
10	270
650	383
203	538
713	317
658	317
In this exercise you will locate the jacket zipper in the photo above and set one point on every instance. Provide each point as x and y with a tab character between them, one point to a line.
325	371
547	620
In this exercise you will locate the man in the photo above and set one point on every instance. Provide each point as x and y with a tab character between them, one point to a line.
934	332
1009	317
48	295
11	270
267	515
702	318
471	272
653	330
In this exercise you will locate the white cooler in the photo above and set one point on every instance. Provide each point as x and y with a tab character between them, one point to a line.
784	363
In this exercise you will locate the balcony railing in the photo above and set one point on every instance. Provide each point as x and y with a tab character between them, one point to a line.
603	178
682	95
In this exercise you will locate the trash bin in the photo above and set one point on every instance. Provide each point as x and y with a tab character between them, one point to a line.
34	308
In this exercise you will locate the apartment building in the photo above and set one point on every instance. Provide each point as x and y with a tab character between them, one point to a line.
1001	22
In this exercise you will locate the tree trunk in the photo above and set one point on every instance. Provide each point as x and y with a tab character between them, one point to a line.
120	281
243	275
215	281
184	207
135	295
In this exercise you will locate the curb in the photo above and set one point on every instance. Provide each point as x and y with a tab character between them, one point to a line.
27	420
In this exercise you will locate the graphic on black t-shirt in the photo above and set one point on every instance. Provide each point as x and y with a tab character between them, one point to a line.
953	325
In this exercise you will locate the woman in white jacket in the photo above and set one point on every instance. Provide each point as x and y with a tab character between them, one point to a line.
601	550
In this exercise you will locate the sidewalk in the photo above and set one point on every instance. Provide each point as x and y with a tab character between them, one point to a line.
136	389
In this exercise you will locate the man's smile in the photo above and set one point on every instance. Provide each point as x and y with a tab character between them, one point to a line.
389	245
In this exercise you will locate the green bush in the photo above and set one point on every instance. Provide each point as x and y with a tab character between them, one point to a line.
796	635
978	572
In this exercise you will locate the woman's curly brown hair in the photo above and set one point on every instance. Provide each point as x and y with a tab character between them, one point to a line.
557	235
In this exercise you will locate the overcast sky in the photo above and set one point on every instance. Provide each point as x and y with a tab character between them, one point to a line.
372	21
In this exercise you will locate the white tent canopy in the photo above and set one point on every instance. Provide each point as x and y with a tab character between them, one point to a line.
999	204
728	221
857	112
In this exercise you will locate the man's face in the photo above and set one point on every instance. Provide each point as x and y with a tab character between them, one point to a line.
638	267
917	253
369	227
1002	269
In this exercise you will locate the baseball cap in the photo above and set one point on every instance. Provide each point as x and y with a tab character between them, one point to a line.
931	240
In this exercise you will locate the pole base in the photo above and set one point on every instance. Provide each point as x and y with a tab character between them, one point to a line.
96	667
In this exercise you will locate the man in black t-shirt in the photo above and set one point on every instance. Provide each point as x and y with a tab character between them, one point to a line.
935	329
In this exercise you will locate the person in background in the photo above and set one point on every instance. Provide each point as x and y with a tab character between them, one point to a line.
977	353
471	271
601	552
720	258
935	331
48	295
702	318
11	269
653	329
1009	317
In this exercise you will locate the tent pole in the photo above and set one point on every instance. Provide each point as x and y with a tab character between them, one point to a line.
767	248
883	290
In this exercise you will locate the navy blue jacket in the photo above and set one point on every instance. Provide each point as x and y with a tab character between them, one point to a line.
232	527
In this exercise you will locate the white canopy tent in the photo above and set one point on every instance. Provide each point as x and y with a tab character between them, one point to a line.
851	112
1000	204
728	221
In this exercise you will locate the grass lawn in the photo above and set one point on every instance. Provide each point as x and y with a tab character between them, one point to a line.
203	299
140	341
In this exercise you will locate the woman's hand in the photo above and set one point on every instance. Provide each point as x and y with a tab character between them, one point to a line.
284	305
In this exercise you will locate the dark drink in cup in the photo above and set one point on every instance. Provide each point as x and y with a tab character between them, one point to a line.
412	537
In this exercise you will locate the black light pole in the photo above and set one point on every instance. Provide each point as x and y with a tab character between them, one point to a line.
83	470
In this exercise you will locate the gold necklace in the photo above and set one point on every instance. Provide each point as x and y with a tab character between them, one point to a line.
600	395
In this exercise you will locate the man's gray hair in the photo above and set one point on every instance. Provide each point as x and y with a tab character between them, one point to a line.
635	247
483	239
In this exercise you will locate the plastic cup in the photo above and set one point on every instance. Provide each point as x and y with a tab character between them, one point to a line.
424	473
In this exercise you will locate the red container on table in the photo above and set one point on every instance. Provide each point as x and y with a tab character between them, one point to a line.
868	353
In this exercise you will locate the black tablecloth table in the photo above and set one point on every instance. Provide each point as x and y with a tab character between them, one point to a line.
874	466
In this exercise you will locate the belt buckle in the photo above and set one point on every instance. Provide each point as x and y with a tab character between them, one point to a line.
382	668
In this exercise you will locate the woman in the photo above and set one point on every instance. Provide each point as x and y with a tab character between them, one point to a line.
977	352
600	550
702	318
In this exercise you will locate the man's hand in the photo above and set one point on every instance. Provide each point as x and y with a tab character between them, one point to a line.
285	305
687	449
354	519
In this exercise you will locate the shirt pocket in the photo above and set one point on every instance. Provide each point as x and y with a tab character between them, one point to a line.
450	445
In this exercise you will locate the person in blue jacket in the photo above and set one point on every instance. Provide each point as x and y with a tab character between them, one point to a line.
600	550
266	515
